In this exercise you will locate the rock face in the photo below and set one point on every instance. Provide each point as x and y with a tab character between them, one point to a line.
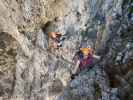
8	52
29	71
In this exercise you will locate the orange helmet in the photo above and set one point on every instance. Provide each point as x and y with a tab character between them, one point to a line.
86	51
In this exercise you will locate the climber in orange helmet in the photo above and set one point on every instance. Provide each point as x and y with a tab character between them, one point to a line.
83	58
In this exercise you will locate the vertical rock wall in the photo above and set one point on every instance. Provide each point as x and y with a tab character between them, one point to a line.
44	75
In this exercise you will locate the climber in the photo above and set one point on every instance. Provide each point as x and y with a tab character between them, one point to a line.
55	40
83	59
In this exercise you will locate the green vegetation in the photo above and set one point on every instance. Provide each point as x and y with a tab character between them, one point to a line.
130	10
97	90
83	34
125	2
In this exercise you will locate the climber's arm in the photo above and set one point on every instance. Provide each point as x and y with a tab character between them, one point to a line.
97	57
76	67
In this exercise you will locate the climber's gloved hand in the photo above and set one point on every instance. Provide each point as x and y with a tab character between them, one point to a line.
73	76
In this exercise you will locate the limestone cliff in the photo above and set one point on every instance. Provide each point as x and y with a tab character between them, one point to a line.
29	71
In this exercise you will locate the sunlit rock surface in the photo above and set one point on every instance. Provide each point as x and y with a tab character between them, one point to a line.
29	71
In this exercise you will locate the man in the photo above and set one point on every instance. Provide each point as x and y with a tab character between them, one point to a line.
83	59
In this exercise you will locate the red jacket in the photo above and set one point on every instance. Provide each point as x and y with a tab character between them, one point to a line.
85	62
